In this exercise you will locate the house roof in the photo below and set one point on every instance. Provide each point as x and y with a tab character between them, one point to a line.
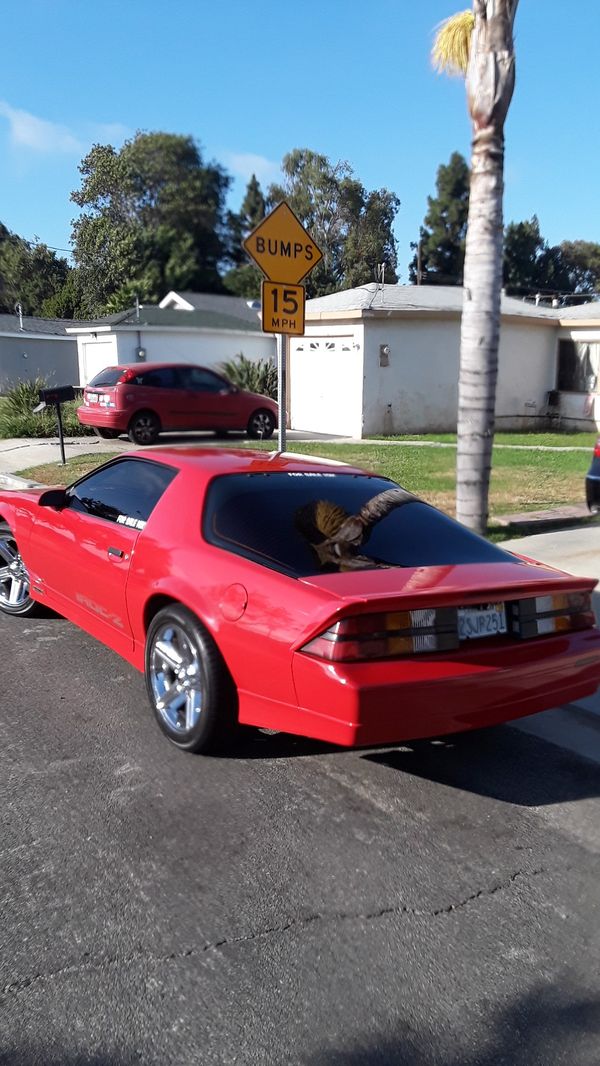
433	298
44	326
235	306
154	316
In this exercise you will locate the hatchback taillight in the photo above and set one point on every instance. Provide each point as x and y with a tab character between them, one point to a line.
386	635
597	449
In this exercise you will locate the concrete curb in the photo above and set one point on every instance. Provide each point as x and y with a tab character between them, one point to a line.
12	481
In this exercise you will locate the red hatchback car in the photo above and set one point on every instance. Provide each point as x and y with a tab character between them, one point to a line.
144	398
291	593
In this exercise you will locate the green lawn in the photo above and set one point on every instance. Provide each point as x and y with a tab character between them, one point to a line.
529	440
521	480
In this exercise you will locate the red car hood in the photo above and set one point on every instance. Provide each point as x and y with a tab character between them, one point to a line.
441	585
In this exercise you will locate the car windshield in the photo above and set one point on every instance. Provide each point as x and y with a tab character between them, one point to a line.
109	376
306	523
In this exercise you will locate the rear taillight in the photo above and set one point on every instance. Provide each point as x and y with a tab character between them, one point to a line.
127	375
558	613
393	634
386	635
597	449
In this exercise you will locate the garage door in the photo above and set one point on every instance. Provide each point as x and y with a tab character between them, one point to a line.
326	386
96	355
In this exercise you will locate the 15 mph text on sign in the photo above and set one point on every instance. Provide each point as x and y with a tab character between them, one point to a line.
283	308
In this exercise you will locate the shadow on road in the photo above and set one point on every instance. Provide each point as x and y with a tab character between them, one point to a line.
546	1027
500	762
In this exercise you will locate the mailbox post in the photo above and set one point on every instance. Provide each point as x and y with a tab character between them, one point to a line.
56	396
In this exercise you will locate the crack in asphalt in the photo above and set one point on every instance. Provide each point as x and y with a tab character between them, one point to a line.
88	963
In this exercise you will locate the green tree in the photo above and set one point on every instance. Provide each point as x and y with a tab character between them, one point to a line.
352	227
30	274
582	260
153	217
244	279
530	264
441	255
479	44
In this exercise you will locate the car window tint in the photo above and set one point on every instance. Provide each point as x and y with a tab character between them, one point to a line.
125	492
196	377
163	378
109	376
310	523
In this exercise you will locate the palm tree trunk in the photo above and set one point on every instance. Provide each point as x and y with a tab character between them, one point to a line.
490	83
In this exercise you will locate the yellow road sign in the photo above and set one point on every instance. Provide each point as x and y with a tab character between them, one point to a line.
282	248
282	308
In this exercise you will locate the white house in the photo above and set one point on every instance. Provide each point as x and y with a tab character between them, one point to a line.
384	359
215	331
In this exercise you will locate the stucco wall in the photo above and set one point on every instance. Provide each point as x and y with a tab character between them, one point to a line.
526	373
23	358
418	391
326	379
204	347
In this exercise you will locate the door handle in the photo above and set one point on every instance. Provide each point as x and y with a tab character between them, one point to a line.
116	552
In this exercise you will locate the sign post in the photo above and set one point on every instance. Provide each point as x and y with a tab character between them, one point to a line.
286	253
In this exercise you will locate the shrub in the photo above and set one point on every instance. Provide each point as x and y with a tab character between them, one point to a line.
260	377
18	420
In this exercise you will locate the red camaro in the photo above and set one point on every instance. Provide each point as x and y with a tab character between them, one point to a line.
288	592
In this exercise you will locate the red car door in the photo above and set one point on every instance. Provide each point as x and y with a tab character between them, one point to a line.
211	401
157	389
79	555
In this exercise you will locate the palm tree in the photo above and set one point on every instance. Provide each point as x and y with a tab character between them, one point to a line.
479	45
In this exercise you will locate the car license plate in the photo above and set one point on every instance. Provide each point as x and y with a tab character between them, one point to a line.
485	620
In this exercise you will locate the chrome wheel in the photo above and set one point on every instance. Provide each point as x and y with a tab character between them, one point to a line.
176	678
191	691
14	579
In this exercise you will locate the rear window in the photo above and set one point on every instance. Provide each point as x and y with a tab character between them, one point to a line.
314	523
109	376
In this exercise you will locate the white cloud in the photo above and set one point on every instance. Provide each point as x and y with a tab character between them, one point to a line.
245	164
28	131
51	138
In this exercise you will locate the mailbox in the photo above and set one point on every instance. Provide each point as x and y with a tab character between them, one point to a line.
59	394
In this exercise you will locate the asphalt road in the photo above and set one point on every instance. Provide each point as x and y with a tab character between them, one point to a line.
432	904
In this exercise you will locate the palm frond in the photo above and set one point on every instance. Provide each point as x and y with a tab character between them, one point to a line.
451	46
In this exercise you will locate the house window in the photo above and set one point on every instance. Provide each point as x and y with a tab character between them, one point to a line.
578	366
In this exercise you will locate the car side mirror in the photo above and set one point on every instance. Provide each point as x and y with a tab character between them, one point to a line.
55	498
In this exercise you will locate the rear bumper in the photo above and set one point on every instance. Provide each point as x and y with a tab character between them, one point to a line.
103	417
387	702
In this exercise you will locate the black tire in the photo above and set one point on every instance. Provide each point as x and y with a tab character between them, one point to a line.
144	428
10	580
106	434
176	631
261	424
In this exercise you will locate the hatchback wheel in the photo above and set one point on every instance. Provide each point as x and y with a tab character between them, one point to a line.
144	428
261	424
14	579
189	686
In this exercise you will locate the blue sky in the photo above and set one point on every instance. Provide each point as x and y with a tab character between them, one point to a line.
252	81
